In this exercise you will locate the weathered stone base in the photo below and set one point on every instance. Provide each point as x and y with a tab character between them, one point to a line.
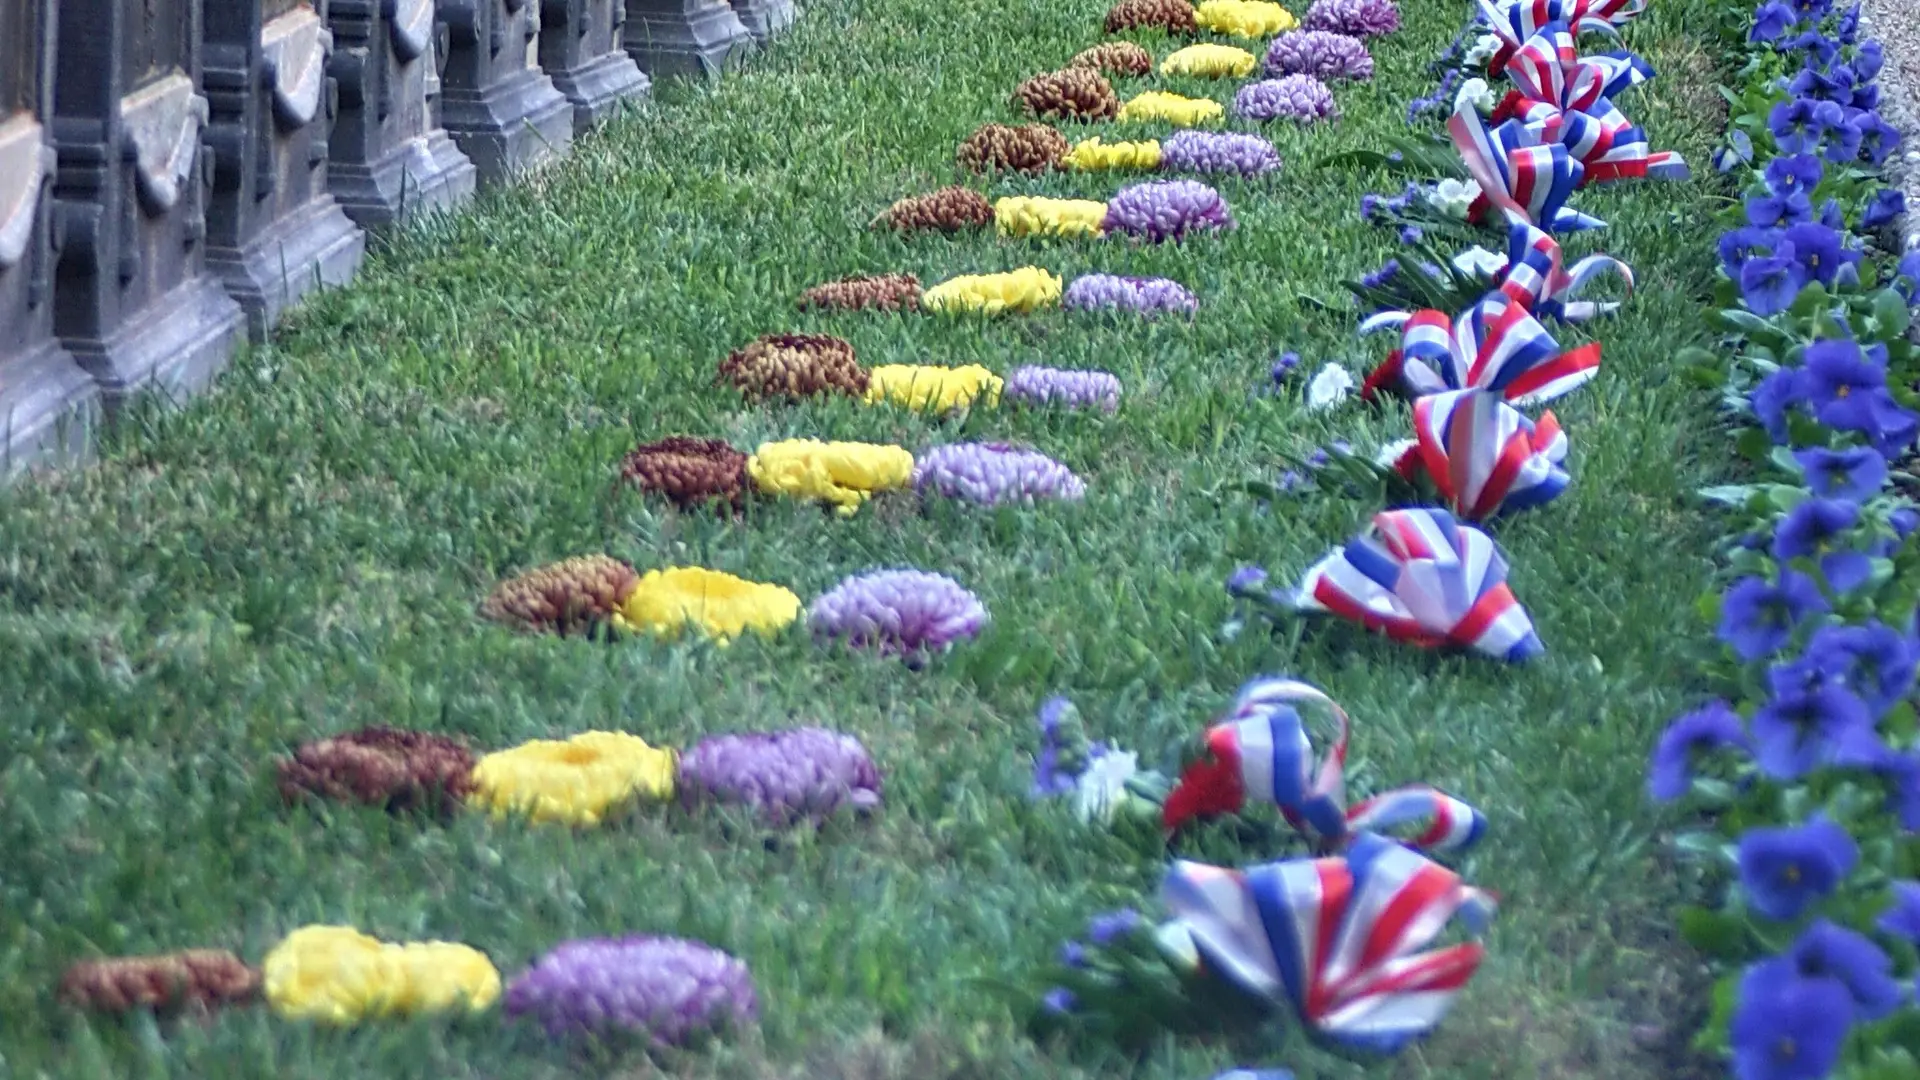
511	128
765	19
176	346
666	39
48	410
427	174
314	248
597	87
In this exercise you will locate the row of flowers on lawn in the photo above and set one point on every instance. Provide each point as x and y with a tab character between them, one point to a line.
1805	767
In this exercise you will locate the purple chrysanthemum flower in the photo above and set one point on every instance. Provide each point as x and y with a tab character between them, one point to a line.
1354	18
1219	152
785	775
1167	210
1290	97
1036	385
1321	54
898	611
667	988
993	473
1147	296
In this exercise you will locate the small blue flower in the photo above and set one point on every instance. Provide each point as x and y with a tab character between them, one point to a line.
1700	731
1786	870
1868	60
1826	951
1059	1001
1283	366
1073	954
1886	204
1816	530
1902	918
1247	579
1820	248
1788	1029
1856	473
1411	234
1104	929
1793	127
1741	244
1775	394
1872	138
1769	284
1757	617
1772	21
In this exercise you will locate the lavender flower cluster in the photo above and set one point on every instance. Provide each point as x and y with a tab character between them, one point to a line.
1219	152
904	612
1145	296
1167	210
1035	385
1355	18
668	989
990	474
1321	54
787	776
1440	101
1290	97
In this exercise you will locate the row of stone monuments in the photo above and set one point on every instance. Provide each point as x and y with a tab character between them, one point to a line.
174	173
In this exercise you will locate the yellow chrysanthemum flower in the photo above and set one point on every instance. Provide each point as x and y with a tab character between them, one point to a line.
1027	215
1090	154
577	781
720	605
338	975
1173	108
1021	290
1244	18
845	474
1210	61
933	389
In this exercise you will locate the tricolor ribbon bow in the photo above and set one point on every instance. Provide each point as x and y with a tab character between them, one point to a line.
1514	21
1568	99
1495	345
1345	940
1483	455
1262	752
1536	278
1518	173
1421	577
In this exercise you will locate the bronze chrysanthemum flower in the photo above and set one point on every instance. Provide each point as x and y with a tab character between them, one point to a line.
1172	16
574	596
381	766
1075	93
688	470
950	210
1029	148
1122	58
794	366
878	292
197	979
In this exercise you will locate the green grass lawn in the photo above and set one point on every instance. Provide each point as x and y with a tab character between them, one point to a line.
302	552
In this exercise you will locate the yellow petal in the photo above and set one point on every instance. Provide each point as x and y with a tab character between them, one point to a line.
1172	108
1212	61
577	781
1091	153
1023	215
845	474
1244	18
935	389
1020	290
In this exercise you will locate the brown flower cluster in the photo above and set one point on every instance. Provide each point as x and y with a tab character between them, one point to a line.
1074	93
688	470
194	979
879	292
794	366
381	766
1115	58
951	209
1029	148
573	596
1173	16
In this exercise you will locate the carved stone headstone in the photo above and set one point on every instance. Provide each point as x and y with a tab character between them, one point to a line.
46	400
764	18
494	100
388	156
132	299
581	52
275	232
684	37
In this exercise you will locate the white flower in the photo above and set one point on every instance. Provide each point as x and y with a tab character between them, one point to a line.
1483	49
1479	261
1477	93
1453	197
1329	388
1103	787
1390	454
1175	939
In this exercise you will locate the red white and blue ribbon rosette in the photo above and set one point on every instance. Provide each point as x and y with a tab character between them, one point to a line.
1514	21
1519	174
1494	345
1262	752
1484	456
1345	940
1421	577
1562	97
1536	277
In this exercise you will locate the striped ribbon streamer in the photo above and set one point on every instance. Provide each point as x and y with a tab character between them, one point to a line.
1345	940
1496	345
1483	455
1419	576
1536	278
1517	173
1514	21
